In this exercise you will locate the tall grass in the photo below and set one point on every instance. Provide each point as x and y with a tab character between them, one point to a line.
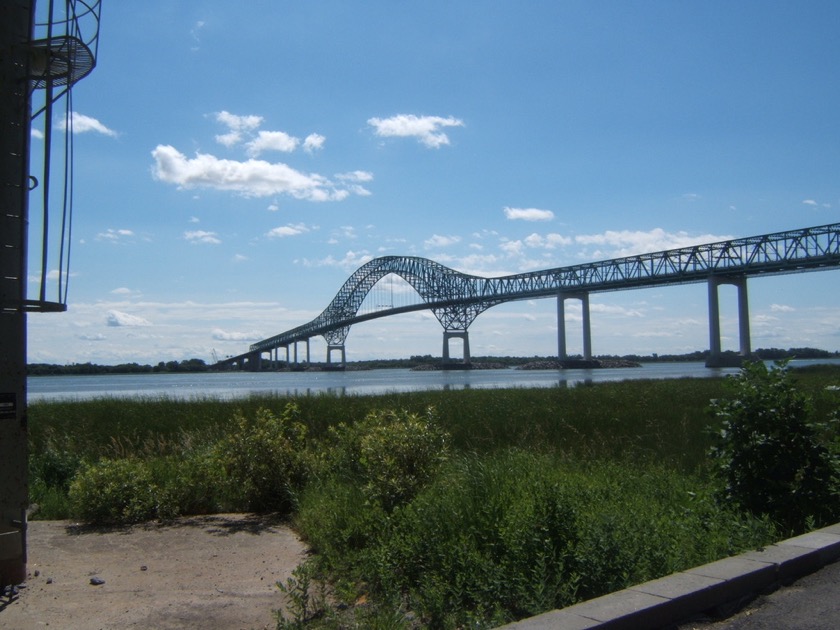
468	507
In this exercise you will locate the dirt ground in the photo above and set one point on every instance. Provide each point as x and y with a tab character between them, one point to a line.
214	572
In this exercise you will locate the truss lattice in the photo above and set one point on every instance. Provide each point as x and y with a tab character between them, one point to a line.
457	299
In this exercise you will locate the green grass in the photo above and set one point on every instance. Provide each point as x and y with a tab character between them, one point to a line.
468	507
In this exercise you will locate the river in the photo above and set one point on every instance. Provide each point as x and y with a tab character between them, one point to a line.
231	385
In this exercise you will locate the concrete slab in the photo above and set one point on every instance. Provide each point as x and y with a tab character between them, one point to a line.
555	620
791	561
831	529
741	575
685	591
826	543
623	609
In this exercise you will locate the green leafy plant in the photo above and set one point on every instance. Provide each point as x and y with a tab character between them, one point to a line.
391	454
511	534
771	455
265	456
116	492
302	604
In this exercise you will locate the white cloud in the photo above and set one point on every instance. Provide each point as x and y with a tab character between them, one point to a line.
441	241
781	308
113	235
237	125
313	142
118	318
356	176
83	124
288	230
241	128
352	260
223	335
809	202
201	236
549	241
630	243
195	33
353	180
94	337
613	309
345	231
511	248
528	214
252	178
272	141
427	129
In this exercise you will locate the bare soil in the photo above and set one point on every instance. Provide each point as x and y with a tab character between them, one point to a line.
214	572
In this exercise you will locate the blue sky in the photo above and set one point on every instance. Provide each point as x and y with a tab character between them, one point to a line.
236	162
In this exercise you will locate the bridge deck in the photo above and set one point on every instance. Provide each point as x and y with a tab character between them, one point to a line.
457	298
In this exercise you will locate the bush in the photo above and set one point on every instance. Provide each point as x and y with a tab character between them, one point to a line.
194	483
391	454
770	454
50	474
266	458
498	537
117	492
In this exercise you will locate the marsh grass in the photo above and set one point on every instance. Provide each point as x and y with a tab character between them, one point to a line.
468	508
663	421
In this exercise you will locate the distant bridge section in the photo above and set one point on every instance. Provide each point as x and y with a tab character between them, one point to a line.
456	299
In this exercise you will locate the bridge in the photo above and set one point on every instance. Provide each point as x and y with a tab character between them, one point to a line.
456	298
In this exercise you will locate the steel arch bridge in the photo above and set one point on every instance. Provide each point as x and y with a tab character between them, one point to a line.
456	298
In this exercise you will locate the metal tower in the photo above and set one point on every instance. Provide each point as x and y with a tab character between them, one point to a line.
42	55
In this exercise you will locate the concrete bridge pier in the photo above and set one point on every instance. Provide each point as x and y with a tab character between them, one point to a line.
716	357
254	362
339	348
562	354
296	361
456	334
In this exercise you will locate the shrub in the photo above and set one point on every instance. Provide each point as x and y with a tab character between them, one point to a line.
266	458
498	537
50	474
769	452
116	492
391	454
194	483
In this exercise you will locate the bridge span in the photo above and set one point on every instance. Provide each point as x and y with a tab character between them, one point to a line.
456	298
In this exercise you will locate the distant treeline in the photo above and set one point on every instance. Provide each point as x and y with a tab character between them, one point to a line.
47	369
198	365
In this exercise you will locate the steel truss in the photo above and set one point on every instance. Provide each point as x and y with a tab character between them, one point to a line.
457	298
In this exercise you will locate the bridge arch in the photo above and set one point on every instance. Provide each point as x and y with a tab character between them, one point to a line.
450	295
457	298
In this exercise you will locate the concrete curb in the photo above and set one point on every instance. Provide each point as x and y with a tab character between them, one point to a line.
679	596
